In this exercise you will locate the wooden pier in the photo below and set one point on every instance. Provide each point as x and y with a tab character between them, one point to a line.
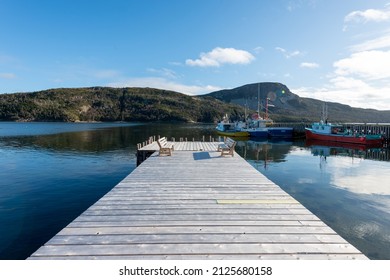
197	204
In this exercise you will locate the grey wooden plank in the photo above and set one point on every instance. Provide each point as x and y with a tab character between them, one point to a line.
193	238
241	199
206	219
211	257
179	217
207	249
179	188
165	201
197	229
215	213
140	223
101	205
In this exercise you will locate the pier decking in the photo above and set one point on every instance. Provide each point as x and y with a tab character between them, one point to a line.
196	204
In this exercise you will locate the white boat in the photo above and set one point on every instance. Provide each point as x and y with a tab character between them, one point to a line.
232	129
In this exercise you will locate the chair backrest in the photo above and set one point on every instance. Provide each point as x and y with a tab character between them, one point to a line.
230	142
161	142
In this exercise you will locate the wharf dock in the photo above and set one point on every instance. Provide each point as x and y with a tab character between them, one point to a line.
374	128
196	204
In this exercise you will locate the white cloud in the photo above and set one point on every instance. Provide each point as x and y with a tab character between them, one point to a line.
350	91
165	72
348	175
288	54
161	83
368	15
258	49
281	49
7	76
219	56
374	44
350	83
360	80
310	65
372	65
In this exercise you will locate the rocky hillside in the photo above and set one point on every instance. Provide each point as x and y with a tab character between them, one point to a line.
112	104
288	106
148	104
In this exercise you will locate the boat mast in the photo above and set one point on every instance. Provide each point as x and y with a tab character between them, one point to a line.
258	99
324	116
245	109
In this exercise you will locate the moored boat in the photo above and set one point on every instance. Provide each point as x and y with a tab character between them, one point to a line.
225	128
336	133
280	132
257	127
262	127
326	131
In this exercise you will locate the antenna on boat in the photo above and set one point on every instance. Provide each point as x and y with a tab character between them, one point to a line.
324	115
258	99
245	109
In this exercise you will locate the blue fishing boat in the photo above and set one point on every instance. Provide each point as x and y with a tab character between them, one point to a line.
259	127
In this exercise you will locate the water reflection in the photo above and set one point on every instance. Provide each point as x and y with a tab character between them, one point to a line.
104	139
354	168
322	148
96	141
357	180
348	188
264	152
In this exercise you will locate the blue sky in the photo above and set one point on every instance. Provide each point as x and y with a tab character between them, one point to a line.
326	49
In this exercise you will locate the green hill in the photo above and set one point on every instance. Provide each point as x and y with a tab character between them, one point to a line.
112	104
290	107
148	104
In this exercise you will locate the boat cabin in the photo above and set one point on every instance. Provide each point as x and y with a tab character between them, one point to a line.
327	128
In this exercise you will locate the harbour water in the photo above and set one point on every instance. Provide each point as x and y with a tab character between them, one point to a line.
52	172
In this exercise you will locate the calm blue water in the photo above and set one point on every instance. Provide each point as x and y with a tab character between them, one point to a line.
51	172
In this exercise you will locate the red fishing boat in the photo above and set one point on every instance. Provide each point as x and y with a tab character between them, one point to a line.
326	131
337	133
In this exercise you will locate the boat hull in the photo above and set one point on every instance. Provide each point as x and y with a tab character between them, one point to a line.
233	133
258	133
362	140
280	132
332	144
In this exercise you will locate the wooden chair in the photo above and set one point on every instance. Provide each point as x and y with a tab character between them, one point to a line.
165	147
227	147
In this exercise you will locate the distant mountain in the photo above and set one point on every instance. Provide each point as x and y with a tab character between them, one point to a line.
148	104
290	107
112	104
